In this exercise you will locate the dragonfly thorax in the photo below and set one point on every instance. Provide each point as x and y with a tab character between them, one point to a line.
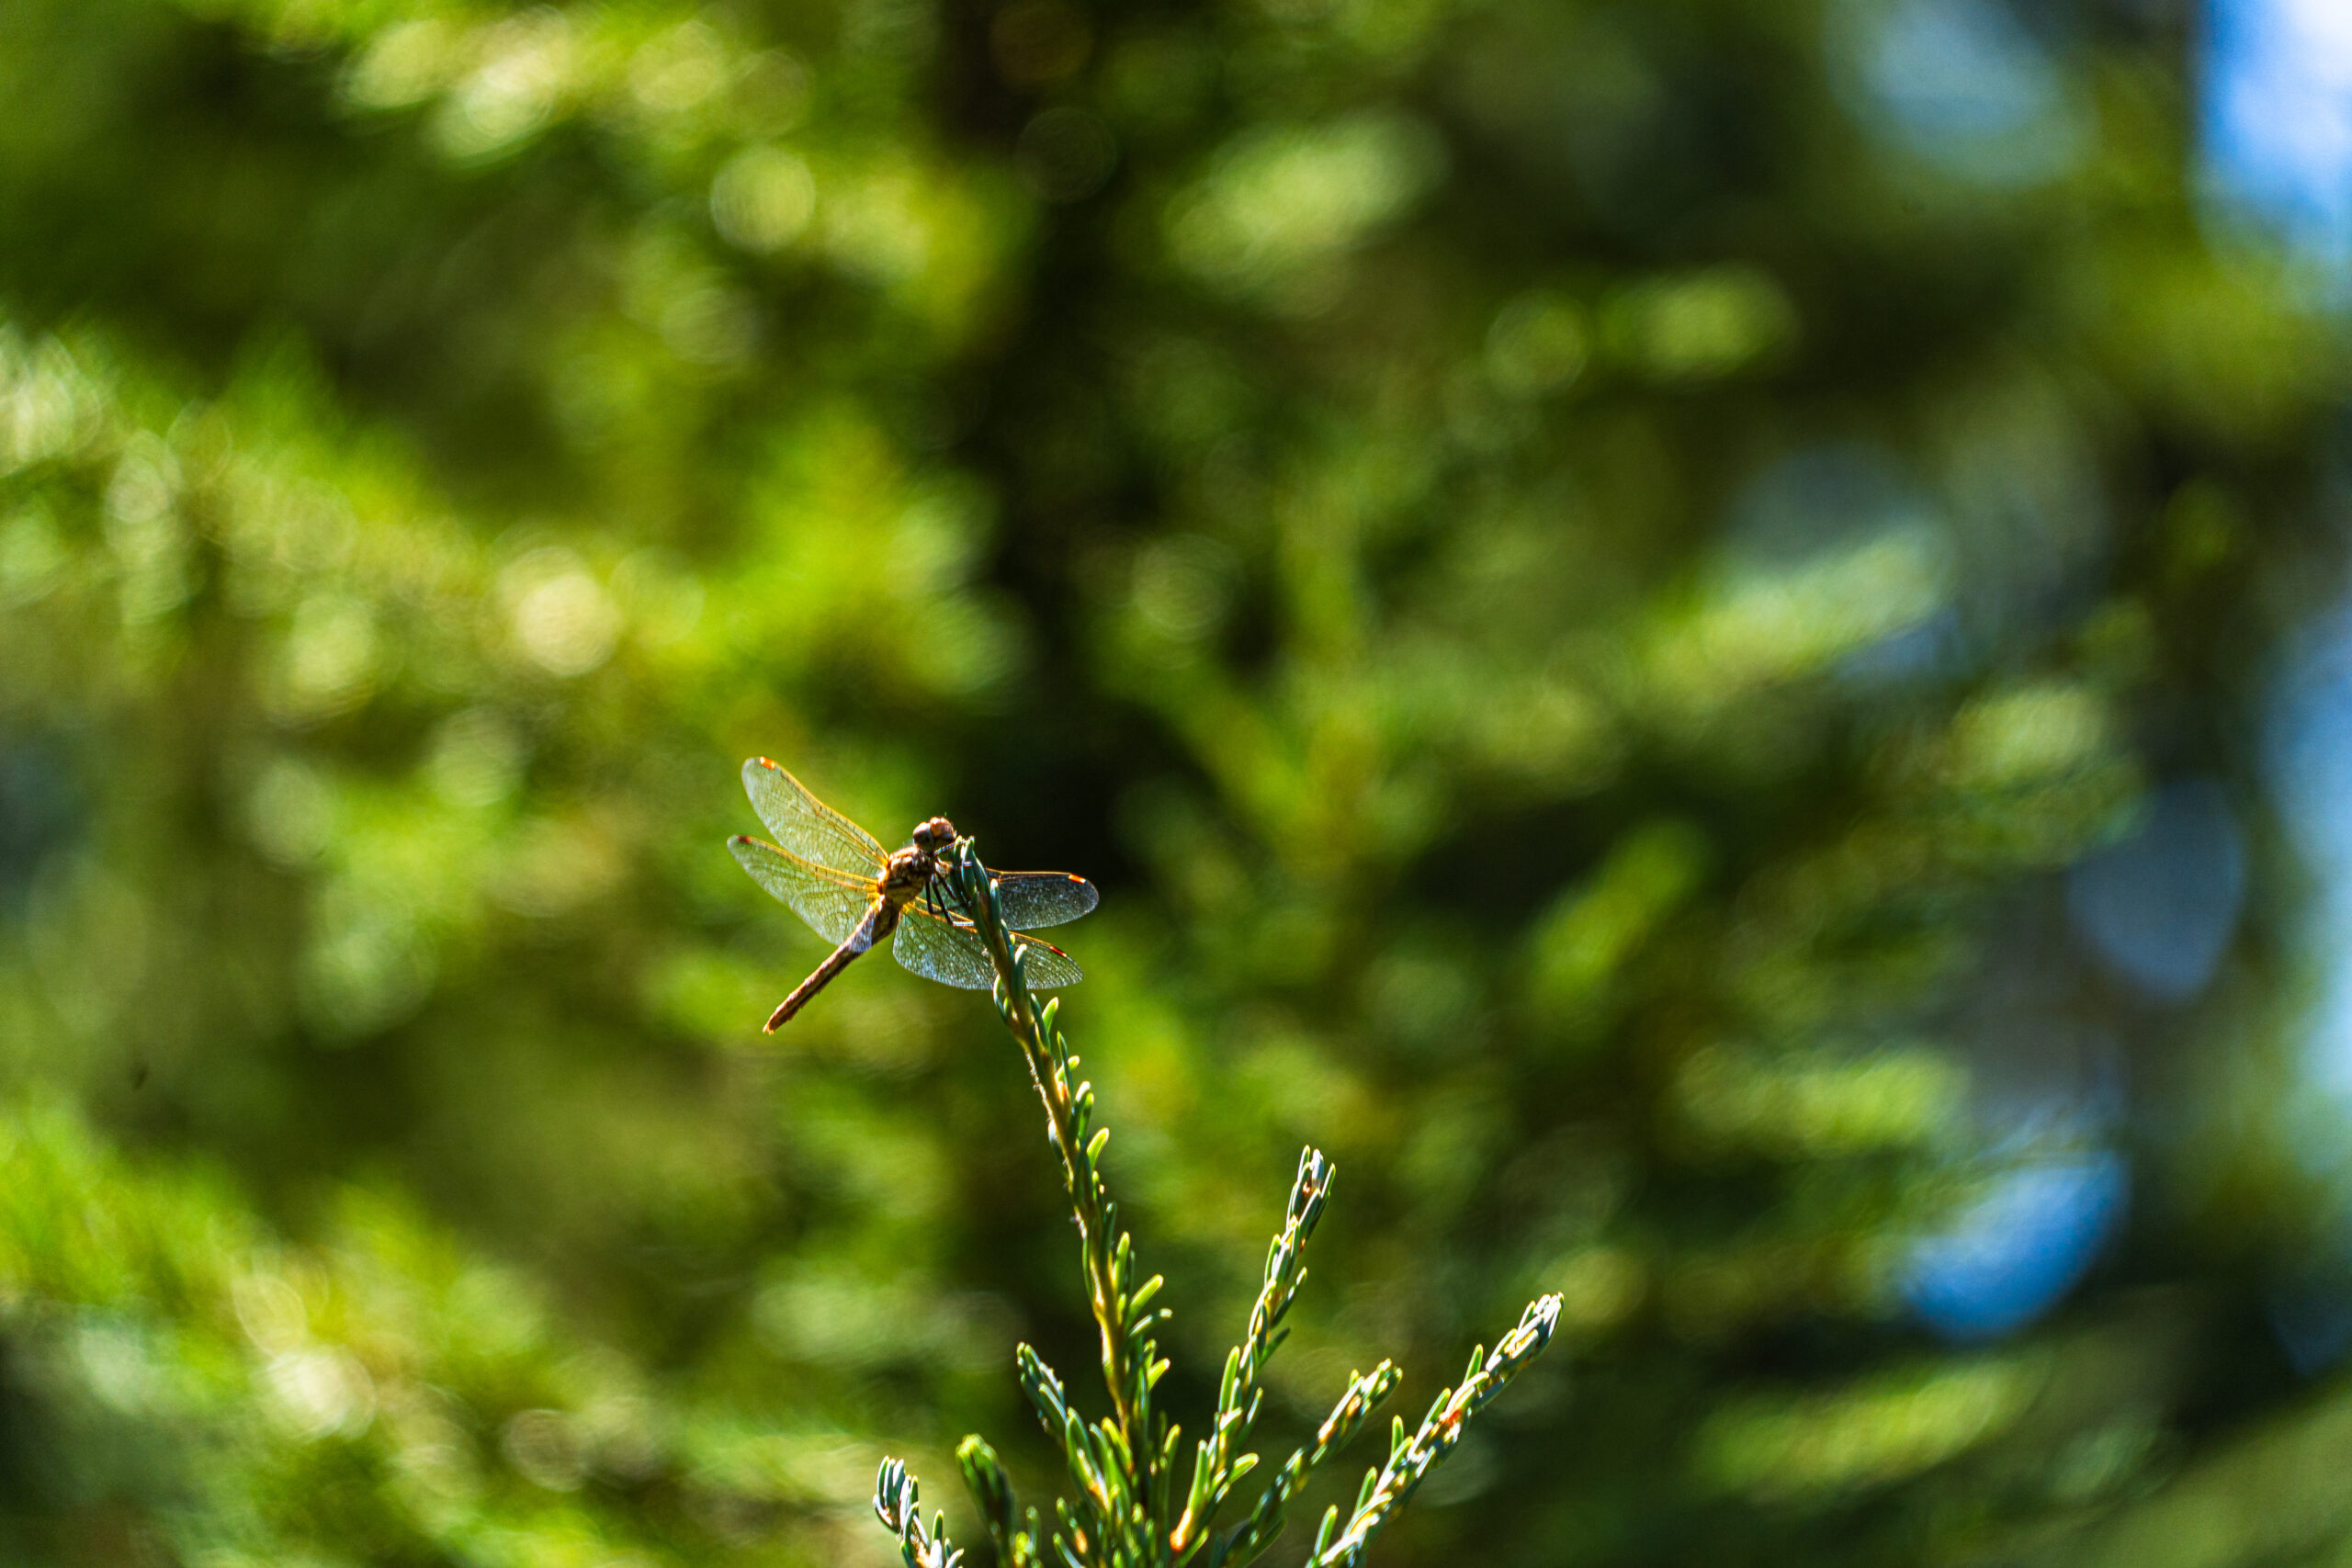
912	868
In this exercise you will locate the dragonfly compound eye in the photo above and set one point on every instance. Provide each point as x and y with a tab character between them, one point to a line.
935	835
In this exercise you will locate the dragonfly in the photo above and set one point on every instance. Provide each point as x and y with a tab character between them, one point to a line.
854	893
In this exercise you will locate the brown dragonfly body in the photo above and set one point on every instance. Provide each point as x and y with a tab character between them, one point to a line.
855	893
910	873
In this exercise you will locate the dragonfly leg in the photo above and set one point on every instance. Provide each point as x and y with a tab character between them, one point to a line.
955	894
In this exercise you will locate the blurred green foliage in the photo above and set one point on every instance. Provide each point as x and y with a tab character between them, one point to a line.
1577	584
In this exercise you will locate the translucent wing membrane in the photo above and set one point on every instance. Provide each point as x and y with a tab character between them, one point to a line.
1048	966
1034	898
951	951
806	826
830	901
937	950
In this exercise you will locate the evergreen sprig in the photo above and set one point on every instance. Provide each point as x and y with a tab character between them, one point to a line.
1125	1512
894	1502
1410	1460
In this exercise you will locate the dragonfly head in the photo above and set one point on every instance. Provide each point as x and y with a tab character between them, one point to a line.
934	836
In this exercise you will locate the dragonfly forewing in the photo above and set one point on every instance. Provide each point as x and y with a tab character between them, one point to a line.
809	827
832	902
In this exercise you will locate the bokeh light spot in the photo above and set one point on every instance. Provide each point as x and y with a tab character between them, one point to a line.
1961	84
763	199
1701	325
476	759
1276	202
2018	1250
1537	343
2161	906
562	619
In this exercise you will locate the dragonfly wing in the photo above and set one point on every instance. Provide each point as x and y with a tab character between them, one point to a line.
1048	966
938	949
831	903
1034	898
951	951
806	826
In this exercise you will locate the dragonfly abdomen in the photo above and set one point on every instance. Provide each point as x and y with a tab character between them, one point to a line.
880	922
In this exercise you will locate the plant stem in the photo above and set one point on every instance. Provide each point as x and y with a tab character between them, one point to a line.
1067	1113
1411	1460
1126	1516
1242	1392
